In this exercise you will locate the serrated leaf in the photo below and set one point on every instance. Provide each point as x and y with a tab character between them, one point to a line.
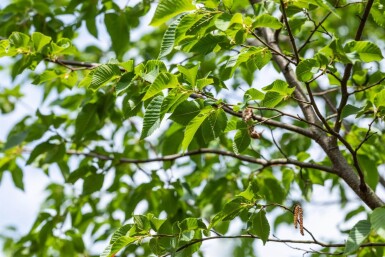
168	40
118	244
194	125
19	40
253	94
364	51
357	236
272	99
241	141
40	40
151	118
260	226
266	20
349	110
119	30
377	219
167	9
306	69
103	74
86	121
162	81
230	211
189	73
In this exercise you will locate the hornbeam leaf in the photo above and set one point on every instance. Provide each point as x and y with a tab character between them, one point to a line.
194	125
168	40
306	69
266	20
377	218
162	81
364	51
241	141
103	74
167	9
151	118
40	40
357	236
260	226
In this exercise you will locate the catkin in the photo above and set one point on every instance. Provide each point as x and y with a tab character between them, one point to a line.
298	218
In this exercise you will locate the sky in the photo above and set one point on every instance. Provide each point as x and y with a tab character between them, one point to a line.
20	208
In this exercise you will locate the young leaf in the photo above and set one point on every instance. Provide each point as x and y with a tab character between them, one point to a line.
241	141
19	40
168	40
193	126
364	51
357	236
119	31
40	40
377	219
162	81
167	9
306	69
260	226
266	20
151	118
103	74
118	244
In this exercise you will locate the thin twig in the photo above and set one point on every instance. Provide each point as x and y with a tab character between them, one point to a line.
172	157
292	40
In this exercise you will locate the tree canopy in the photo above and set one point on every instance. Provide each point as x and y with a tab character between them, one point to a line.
181	118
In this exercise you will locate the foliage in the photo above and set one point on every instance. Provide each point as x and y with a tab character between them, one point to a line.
215	116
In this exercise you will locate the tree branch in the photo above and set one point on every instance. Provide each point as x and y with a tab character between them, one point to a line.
263	162
292	40
349	67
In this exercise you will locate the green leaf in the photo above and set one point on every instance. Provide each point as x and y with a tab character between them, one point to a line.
364	51
241	141
185	112
357	236
40	40
168	40
306	69
118	245
266	20
349	110
162	81
93	183
272	99
167	9
19	40
214	125
17	177
119	31
103	74
378	13
377	219
14	140
260	226
151	118
231	210
253	94
189	73
87	120
194	125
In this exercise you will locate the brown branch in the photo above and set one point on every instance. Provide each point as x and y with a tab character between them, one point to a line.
316	26
292	40
335	245
263	162
353	152
349	67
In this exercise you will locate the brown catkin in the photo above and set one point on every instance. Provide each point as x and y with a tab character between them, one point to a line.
296	210
298	218
247	114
